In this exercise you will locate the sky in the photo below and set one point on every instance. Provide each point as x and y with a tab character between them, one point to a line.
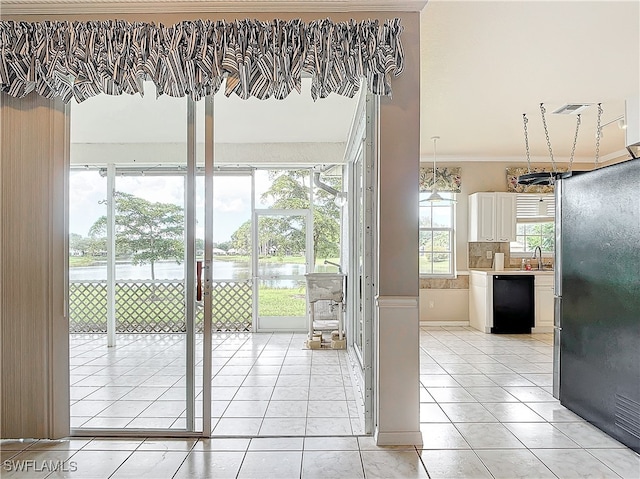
232	199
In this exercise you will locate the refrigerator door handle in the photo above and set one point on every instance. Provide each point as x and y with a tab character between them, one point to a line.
557	266
557	312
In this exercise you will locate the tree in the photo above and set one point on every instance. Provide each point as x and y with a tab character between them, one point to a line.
241	238
224	245
541	234
283	236
291	190
148	231
86	246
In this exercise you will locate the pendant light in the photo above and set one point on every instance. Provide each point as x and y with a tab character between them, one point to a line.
435	197
542	207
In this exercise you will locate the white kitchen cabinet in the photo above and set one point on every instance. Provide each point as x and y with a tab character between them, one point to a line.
480	301
543	291
492	217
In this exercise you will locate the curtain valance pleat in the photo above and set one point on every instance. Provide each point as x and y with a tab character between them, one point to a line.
194	58
447	179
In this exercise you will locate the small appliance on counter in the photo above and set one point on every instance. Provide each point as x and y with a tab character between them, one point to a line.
498	262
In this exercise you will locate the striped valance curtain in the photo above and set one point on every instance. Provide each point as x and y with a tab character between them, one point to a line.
447	179
195	58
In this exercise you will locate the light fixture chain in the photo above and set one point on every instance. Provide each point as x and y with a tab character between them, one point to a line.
575	140
546	133
598	134
526	141
435	170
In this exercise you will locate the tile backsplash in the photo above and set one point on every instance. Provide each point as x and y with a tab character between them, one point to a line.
460	282
478	254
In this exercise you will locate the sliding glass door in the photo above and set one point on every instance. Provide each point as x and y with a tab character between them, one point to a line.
361	247
139	362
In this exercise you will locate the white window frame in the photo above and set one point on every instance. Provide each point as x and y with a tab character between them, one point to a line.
532	208
449	201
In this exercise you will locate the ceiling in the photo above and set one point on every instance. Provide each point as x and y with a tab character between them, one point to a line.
484	64
135	119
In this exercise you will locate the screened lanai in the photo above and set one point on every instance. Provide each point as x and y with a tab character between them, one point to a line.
279	212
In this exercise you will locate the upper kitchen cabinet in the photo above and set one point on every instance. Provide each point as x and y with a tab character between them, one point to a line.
492	217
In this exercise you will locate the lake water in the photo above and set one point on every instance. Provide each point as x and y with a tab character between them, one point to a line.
222	270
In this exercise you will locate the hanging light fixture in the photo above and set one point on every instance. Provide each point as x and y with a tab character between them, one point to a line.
542	207
435	197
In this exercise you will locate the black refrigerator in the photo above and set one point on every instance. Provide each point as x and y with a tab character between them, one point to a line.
597	298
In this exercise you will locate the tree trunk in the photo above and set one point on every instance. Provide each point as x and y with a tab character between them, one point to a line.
154	295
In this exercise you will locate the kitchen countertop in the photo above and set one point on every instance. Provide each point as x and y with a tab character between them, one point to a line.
492	272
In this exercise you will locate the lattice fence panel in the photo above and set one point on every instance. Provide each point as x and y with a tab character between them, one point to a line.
232	305
88	307
146	307
157	307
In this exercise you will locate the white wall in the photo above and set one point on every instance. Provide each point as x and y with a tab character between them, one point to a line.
448	305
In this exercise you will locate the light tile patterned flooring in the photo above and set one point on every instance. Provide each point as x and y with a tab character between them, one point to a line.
263	385
486	412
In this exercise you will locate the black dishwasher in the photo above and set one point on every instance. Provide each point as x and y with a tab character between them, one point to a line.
513	304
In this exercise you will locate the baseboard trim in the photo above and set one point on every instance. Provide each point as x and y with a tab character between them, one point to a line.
409	438
443	323
542	329
384	302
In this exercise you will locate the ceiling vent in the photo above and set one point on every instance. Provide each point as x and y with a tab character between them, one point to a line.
572	108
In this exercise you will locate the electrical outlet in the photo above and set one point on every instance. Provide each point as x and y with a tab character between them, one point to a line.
489	254
431	304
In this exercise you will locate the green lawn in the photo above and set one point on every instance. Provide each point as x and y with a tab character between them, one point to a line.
282	302
81	261
439	267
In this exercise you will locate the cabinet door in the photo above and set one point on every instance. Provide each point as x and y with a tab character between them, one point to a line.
482	217
505	217
544	304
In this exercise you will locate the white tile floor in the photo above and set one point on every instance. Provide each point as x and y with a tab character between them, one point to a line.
263	385
486	412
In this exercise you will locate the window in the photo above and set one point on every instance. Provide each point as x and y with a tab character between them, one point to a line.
535	222
437	240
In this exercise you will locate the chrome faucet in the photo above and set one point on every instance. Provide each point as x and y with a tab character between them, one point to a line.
334	264
539	256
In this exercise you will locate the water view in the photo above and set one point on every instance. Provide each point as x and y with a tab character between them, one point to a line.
222	270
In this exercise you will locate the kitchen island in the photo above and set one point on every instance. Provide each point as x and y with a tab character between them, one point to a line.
481	298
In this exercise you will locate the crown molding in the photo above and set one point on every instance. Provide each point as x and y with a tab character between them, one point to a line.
427	159
78	7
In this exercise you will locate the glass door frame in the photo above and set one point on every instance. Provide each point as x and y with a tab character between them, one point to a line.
361	156
190	286
307	214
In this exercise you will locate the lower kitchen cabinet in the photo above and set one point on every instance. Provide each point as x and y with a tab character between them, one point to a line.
481	299
543	291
